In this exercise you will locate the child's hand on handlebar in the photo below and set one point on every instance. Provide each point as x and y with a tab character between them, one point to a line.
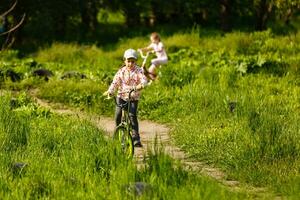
107	94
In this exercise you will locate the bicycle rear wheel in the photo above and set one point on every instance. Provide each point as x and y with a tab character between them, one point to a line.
125	139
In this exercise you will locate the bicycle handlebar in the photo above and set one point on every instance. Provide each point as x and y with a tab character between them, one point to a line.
144	56
124	92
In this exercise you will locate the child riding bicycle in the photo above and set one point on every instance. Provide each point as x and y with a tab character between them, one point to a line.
156	47
129	77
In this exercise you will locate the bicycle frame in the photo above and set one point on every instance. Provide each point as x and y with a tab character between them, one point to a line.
125	113
123	132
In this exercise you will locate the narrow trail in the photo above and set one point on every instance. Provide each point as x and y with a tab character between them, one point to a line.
151	131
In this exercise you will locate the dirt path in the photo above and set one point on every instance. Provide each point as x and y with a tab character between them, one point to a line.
149	132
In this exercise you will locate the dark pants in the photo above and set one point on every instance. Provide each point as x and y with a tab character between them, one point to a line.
132	116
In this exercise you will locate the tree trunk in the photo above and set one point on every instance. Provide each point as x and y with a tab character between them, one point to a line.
288	16
89	16
225	14
262	13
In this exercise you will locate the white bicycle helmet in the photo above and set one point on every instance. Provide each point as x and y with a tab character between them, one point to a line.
130	53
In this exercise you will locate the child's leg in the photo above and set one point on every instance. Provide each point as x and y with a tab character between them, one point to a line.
155	63
118	112
133	118
146	73
152	71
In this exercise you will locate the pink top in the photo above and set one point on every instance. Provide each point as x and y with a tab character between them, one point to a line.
159	50
125	79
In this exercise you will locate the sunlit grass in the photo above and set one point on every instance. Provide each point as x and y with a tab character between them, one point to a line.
66	157
232	100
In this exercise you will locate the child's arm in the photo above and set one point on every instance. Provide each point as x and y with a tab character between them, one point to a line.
145	49
148	48
140	86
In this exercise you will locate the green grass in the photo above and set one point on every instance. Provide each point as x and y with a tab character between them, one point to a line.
255	142
74	160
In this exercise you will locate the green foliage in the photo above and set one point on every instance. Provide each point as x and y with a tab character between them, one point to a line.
257	63
87	95
9	55
73	159
232	101
24	105
105	17
14	130
255	136
104	21
164	175
176	78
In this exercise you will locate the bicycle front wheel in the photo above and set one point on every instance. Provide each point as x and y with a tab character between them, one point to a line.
123	136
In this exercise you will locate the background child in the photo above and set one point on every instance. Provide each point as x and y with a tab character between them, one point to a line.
129	77
157	47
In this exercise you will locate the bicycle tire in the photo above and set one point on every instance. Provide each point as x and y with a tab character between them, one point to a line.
122	135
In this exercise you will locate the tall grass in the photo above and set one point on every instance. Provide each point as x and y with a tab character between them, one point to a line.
257	142
232	100
14	129
74	160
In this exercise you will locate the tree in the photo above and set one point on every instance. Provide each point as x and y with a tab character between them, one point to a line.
132	10
88	12
286	9
225	14
9	30
263	10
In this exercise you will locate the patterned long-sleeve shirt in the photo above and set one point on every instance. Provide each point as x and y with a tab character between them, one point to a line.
125	79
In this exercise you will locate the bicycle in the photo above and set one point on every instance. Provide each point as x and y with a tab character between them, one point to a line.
146	72
123	132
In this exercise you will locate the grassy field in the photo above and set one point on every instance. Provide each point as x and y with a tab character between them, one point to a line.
232	101
44	155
